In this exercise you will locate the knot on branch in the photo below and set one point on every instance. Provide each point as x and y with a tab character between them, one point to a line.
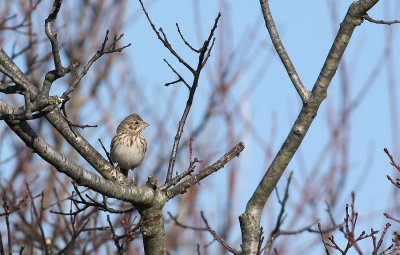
151	182
117	176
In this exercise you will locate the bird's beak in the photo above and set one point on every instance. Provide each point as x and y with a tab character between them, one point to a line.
145	125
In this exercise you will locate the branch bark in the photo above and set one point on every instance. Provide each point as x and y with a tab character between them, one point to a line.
193	180
9	68
144	195
250	219
280	49
153	230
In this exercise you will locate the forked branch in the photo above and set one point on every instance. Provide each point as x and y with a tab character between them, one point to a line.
204	53
250	219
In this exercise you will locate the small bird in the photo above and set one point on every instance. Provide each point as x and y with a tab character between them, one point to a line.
128	146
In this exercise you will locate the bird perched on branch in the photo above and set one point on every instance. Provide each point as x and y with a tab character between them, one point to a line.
128	146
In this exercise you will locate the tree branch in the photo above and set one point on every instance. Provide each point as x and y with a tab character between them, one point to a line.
82	176
203	56
8	67
53	37
280	49
250	219
381	22
182	187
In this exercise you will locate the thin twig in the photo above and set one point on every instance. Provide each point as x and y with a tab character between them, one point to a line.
39	221
75	236
381	238
281	216
180	77
183	186
93	203
7	212
381	22
185	41
201	61
260	241
269	243
105	150
2	252
180	224
204	53
120	248
189	171
282	202
103	50
322	238
391	217
163	38
395	183
392	161
217	237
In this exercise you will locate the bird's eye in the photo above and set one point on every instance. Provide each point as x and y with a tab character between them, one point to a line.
136	122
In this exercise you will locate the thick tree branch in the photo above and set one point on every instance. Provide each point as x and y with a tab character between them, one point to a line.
250	219
8	67
12	71
153	230
82	176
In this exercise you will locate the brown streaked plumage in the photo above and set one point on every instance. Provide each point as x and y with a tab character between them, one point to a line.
128	146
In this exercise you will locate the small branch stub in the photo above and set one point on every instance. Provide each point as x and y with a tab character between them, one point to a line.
152	182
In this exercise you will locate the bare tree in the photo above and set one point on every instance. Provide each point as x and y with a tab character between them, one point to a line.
46	116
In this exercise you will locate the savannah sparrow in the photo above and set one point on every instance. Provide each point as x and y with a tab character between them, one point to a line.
128	146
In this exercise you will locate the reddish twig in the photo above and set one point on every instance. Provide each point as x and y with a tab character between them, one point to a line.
39	220
377	246
115	237
391	217
322	238
180	224
217	237
392	161
102	206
